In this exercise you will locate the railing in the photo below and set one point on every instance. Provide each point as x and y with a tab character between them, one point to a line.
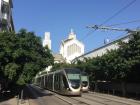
121	88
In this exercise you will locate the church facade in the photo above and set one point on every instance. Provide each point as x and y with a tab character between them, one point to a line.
71	47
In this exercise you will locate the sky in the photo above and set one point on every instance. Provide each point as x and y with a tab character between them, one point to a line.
59	16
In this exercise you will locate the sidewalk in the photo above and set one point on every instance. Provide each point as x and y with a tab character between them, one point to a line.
14	101
26	94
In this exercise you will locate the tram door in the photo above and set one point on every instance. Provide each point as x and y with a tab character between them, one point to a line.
46	81
57	82
61	83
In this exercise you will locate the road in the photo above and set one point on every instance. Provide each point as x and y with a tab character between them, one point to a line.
38	96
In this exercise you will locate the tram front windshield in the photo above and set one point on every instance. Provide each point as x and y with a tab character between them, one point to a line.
74	77
84	78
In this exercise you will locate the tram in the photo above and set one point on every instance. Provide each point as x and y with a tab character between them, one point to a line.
85	82
66	81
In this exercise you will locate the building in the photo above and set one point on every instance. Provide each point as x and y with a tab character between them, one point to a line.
6	24
103	49
6	20
58	58
47	40
71	47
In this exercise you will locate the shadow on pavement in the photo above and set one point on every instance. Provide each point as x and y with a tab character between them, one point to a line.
32	92
26	92
5	96
10	93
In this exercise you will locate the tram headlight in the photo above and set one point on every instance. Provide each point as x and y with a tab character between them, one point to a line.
68	89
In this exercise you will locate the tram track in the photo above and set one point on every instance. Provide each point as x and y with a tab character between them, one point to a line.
69	99
114	98
104	101
73	100
88	99
63	98
84	100
77	102
91	101
81	100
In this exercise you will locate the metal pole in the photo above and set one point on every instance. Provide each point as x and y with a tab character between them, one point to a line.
18	99
21	97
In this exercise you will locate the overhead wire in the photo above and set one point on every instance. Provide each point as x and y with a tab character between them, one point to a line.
110	18
123	23
118	12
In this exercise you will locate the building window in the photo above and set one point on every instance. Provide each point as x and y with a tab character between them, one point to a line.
3	25
74	48
5	7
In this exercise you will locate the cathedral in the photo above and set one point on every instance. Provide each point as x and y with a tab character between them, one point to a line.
71	47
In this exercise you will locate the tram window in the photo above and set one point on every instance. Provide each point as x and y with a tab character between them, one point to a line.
55	78
65	82
74	76
59	80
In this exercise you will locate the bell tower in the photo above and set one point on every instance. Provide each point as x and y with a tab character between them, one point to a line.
47	40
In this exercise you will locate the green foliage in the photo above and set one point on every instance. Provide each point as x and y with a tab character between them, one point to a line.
121	64
11	70
22	56
58	66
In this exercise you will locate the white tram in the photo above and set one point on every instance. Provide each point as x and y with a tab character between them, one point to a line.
85	82
66	81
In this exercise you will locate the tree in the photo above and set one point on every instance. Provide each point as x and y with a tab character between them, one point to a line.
130	52
8	67
22	56
116	65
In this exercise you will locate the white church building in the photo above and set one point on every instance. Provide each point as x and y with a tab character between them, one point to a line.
71	47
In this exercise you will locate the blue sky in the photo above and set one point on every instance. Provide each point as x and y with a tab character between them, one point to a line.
59	16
